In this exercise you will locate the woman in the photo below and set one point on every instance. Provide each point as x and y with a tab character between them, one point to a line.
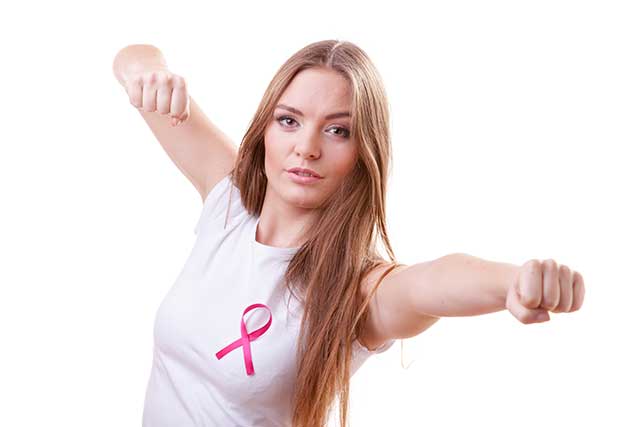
296	210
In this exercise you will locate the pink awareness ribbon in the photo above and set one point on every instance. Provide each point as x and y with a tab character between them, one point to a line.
246	338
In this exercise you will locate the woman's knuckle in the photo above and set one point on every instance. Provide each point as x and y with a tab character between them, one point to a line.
179	82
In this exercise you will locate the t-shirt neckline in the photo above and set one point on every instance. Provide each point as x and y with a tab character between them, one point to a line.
272	250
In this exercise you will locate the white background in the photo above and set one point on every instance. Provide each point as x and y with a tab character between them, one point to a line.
515	134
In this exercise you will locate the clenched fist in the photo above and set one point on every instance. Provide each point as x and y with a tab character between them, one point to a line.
540	287
161	91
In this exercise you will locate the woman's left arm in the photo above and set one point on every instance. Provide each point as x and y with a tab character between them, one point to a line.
412	298
463	285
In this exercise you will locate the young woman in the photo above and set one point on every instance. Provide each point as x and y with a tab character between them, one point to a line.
296	211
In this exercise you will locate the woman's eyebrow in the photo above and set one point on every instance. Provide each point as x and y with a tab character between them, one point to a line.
329	116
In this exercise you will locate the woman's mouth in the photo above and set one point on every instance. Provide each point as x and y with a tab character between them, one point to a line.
302	178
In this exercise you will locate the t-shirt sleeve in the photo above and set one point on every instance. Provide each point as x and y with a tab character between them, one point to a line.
380	349
362	353
215	203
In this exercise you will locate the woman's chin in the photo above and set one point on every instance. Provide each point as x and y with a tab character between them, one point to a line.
304	199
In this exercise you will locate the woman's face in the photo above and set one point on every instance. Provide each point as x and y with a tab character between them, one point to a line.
307	138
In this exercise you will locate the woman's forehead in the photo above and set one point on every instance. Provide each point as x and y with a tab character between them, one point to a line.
318	89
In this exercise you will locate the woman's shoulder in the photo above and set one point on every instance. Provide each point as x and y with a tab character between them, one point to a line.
222	203
371	337
372	277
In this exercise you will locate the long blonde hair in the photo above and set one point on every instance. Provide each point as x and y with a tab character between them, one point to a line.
327	271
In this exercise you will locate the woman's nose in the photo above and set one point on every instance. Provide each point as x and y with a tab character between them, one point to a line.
309	145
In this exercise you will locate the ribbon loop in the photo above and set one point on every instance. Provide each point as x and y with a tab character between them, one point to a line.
246	338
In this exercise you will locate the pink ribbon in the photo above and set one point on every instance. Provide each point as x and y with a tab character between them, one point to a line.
246	338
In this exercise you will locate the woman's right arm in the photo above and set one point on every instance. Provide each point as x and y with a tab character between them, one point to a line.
202	152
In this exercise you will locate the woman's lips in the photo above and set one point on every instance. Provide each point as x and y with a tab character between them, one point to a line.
298	179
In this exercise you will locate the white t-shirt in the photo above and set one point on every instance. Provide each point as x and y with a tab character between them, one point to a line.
202	374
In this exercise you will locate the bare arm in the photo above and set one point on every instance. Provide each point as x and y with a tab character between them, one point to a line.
200	150
412	298
460	285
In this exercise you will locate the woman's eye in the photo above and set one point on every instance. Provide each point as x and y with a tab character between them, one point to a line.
281	118
344	132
